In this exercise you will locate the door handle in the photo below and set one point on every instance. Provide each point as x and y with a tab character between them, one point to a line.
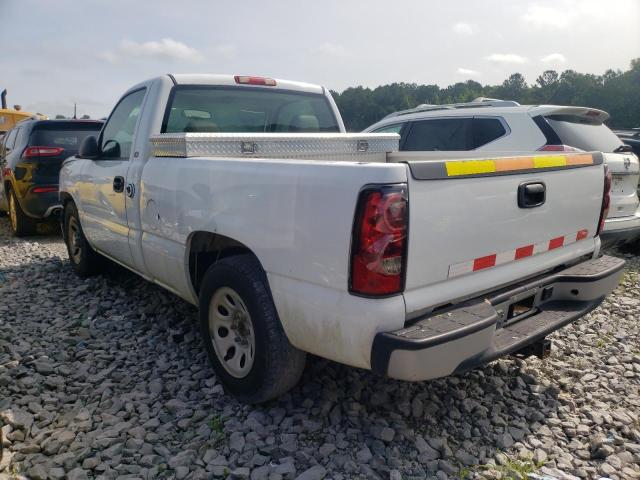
531	194
118	184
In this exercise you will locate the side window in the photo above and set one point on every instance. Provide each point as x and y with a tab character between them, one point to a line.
486	130
11	140
21	137
444	134
390	129
118	133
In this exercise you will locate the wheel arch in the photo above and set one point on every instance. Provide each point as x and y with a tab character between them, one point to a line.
206	248
66	197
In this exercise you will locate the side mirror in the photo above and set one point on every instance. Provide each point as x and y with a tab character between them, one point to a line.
111	149
89	148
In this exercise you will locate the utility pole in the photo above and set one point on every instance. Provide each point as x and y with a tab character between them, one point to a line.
75	117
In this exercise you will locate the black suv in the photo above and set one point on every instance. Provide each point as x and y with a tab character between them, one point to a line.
31	155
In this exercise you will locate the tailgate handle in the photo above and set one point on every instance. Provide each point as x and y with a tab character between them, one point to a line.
531	194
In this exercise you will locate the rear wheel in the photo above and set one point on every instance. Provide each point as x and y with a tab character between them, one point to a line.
21	224
85	260
242	333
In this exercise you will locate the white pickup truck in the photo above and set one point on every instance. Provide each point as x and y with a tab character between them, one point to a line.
244	196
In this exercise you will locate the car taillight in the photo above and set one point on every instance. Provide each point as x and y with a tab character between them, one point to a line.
45	189
248	80
606	199
379	243
31	152
559	148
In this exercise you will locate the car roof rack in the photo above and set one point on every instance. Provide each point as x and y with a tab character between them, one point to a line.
477	102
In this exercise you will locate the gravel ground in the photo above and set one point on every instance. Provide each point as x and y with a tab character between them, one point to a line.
106	378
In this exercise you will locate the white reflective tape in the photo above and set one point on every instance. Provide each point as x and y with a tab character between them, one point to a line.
460	268
505	257
570	238
540	247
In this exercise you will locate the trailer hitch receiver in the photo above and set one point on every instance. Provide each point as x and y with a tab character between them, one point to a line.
540	348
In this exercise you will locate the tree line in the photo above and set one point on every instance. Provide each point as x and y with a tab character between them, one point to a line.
617	92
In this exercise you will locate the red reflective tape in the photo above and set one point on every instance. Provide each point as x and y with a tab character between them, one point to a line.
556	242
523	252
582	234
484	262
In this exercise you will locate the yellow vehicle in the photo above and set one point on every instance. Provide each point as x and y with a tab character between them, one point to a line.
10	116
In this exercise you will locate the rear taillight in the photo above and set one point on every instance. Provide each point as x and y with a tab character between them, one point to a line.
45	189
606	199
379	243
31	152
559	148
248	80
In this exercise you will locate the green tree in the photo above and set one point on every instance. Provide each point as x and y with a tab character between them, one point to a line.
617	92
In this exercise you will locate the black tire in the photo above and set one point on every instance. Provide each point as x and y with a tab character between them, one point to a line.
84	259
277	365
21	224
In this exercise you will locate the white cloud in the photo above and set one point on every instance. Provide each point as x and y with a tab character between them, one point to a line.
225	51
554	58
462	28
468	72
540	16
506	58
581	14
167	48
332	49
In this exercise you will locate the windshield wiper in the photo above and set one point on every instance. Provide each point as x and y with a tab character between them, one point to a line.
623	149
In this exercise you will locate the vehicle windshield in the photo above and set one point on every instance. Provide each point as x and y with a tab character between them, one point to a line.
247	110
580	133
68	136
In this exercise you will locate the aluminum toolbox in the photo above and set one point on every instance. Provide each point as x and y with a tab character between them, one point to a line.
360	147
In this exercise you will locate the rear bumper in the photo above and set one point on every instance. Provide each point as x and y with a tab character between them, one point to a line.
620	230
41	205
479	331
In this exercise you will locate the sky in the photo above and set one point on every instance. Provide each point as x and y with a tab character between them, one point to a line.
55	53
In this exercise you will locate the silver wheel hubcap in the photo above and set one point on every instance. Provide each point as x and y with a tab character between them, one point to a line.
13	216
73	235
231	332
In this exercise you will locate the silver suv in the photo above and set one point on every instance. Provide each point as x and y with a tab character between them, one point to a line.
491	125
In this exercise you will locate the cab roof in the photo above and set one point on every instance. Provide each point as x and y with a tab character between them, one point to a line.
230	80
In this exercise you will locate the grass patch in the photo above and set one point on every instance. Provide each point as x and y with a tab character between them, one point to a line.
513	469
216	424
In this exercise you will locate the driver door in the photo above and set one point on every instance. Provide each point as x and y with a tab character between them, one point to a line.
103	212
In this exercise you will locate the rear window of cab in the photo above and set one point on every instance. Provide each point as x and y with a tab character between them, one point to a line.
247	110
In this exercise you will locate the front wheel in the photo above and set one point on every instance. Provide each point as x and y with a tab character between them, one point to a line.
242	333
84	259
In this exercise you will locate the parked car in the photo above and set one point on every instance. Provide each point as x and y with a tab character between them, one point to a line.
490	125
630	137
244	196
30	158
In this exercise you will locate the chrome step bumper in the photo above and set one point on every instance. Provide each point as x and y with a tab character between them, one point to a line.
484	329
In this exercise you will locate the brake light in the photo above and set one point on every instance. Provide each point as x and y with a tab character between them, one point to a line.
45	189
606	199
379	243
559	148
31	152
245	79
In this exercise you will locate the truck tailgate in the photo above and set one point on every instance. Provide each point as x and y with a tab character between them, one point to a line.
469	232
